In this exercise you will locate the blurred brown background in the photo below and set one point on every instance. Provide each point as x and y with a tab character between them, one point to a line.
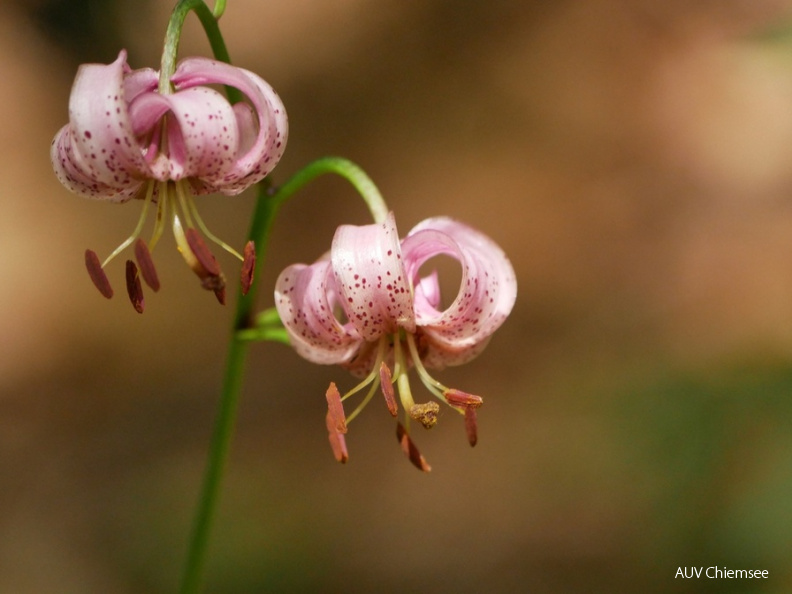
632	157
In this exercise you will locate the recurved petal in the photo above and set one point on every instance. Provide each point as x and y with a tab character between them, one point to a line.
73	173
305	300
264	152
438	353
487	291
371	279
203	139
98	152
137	82
427	294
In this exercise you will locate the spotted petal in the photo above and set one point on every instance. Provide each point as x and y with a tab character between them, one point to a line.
137	82
263	152
487	291
305	298
96	154
203	138
372	283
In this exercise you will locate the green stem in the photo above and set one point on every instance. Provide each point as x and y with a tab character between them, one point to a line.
349	171
173	35
266	209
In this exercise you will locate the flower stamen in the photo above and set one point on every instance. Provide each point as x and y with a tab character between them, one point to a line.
162	215
369	395
382	347
147	269
205	230
387	389
138	228
431	383
248	267
203	255
96	270
469	403
335	408
337	441
134	289
402	380
410	450
426	413
97	274
471	425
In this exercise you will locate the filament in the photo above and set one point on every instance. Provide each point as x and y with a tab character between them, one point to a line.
162	215
202	226
373	374
364	402
431	383
138	227
403	380
185	209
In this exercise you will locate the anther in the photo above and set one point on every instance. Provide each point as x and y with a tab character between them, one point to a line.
470	402
460	398
409	449
425	414
134	288
337	440
386	381
202	253
335	408
471	426
97	274
220	294
147	269
248	266
205	265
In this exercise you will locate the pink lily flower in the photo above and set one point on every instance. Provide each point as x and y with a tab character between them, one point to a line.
365	307
127	139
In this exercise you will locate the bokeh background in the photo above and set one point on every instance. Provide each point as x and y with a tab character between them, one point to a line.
632	157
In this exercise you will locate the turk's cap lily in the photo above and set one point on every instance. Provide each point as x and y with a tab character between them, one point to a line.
123	132
368	306
373	277
128	138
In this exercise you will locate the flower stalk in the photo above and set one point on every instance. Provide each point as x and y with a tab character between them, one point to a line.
243	332
208	20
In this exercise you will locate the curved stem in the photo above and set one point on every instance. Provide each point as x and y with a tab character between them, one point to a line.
173	35
349	171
